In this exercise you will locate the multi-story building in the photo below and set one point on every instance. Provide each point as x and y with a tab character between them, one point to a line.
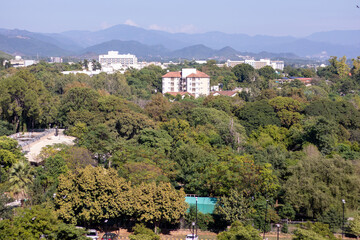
118	61
258	64
187	80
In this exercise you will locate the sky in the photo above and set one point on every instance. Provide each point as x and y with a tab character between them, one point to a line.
254	17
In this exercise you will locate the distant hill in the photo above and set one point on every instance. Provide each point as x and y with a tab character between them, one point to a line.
31	47
124	47
349	37
157	45
5	55
44	43
158	52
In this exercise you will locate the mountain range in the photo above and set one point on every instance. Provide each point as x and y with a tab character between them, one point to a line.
157	45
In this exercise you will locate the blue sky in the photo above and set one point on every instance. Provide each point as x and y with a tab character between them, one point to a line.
264	17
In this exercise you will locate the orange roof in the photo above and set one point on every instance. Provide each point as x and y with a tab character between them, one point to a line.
225	93
180	93
198	74
172	75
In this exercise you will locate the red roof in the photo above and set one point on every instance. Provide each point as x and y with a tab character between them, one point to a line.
198	74
172	75
180	93
225	93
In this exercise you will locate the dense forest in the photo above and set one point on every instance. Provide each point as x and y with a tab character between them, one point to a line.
277	151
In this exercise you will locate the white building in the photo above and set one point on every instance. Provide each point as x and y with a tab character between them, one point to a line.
188	80
258	64
19	62
118	61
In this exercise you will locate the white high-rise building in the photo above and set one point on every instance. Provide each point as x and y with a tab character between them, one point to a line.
187	80
118	61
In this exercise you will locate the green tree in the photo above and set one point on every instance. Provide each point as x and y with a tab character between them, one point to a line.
313	231
6	128
317	183
30	224
354	226
234	207
238	231
256	114
267	72
143	233
157	107
244	73
130	124
20	178
159	203
287	109
158	139
92	195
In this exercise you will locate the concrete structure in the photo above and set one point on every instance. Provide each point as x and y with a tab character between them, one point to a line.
56	60
305	81
258	64
117	61
19	62
188	80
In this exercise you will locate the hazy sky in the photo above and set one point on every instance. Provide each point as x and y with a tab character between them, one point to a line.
267	17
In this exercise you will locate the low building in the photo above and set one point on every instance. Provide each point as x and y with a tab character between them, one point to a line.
305	81
19	62
225	93
258	64
187	80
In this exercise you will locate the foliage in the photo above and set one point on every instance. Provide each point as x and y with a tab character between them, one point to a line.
159	203
87	197
316	183
30	223
143	233
204	221
315	231
241	232
244	73
256	114
234	207
354	226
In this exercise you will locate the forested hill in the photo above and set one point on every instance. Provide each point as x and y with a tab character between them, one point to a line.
279	151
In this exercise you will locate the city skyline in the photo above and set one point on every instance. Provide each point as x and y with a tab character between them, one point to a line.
276	17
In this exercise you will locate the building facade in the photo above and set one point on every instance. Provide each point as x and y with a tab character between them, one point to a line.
258	64
117	61
187	80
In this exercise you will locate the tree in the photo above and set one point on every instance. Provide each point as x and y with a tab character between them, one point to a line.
30	223
313	231
234	207
267	72
131	123
157	107
256	114
354	226
244	73
287	109
143	233
6	128
22	100
239	231
20	178
159	203
157	139
342	69
317	183
92	195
